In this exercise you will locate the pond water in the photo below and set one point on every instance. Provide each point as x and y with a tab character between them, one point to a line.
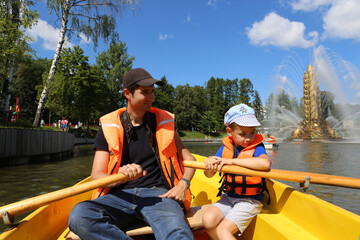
335	158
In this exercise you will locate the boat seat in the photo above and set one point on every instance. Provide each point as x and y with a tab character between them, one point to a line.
193	217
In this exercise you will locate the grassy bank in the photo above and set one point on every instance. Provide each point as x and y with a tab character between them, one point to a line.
199	135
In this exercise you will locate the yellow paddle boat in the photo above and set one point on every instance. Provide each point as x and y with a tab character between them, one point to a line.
291	214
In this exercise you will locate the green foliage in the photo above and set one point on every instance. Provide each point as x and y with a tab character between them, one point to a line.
208	122
21	123
257	105
189	104
91	19
246	91
216	100
113	64
27	76
79	90
328	107
165	96
15	17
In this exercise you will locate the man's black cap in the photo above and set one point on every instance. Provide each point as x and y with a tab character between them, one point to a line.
141	77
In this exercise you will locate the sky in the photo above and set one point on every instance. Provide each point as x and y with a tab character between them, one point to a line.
269	42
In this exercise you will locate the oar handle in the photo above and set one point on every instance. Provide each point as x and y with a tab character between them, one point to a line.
286	175
41	200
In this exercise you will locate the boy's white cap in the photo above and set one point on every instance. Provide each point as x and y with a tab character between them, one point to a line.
242	115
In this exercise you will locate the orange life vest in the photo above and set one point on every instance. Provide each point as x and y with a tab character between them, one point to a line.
271	139
171	163
241	184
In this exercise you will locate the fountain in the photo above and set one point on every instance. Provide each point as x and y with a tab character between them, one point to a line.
313	126
298	109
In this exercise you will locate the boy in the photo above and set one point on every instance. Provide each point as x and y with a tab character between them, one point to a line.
242	197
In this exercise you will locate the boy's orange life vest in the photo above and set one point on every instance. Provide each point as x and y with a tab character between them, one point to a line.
241	184
171	163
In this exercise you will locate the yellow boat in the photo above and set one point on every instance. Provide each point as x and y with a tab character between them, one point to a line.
291	214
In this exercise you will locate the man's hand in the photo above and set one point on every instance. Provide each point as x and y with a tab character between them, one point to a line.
178	192
132	171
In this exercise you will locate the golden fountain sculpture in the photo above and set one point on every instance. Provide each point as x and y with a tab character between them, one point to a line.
313	126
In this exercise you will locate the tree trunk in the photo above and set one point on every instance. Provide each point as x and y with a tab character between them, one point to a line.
60	44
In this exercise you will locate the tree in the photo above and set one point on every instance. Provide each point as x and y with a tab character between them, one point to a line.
165	96
216	100
28	74
269	106
91	18
327	105
283	100
79	90
246	91
189	103
198	97
231	92
113	64
15	17
257	105
208	121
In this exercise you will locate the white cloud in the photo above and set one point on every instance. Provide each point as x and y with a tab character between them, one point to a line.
188	19
47	33
212	3
310	5
281	32
84	39
164	36
343	20
50	35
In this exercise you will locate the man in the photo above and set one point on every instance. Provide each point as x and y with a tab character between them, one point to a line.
140	142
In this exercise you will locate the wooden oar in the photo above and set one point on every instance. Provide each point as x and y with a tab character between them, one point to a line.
286	175
42	200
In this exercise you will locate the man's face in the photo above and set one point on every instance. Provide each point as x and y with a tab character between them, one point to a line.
142	98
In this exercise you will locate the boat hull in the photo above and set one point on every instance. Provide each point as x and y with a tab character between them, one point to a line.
271	146
291	214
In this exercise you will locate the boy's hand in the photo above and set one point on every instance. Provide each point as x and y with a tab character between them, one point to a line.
224	161
212	163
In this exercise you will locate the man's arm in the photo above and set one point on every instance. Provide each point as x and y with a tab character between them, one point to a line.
131	171
179	191
185	155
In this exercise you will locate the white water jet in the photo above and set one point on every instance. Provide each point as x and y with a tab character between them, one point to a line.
335	75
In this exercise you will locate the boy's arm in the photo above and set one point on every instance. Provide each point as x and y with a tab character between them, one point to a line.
262	162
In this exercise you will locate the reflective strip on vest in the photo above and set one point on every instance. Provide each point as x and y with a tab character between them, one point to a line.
167	149
110	125
165	121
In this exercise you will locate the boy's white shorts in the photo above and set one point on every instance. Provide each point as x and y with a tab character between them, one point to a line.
239	210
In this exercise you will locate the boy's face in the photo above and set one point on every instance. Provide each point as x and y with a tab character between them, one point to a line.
242	136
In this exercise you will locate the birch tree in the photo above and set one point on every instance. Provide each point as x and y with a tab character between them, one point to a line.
92	19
